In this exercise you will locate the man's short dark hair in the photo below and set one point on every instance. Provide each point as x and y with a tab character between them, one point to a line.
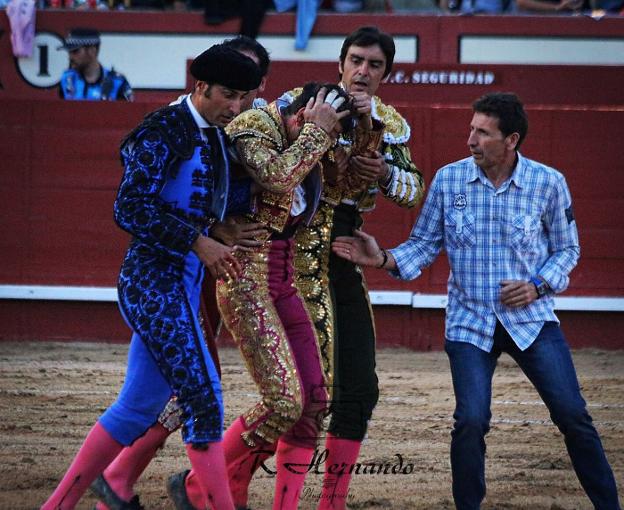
509	111
311	89
244	43
369	36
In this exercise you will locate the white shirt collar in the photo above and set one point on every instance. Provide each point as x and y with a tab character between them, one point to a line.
199	120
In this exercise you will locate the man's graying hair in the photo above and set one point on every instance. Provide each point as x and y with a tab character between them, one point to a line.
244	43
509	111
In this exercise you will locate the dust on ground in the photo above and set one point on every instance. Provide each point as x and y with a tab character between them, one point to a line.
52	393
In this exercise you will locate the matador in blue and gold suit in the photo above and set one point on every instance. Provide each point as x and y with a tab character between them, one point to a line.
176	183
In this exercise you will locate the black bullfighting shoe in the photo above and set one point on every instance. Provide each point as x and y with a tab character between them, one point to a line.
177	491
106	495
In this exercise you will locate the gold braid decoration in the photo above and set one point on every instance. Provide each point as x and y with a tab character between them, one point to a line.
312	249
396	128
249	314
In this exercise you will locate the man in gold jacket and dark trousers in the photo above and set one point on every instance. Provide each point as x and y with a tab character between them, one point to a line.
346	331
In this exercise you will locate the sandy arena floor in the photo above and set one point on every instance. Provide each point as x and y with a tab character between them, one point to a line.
51	394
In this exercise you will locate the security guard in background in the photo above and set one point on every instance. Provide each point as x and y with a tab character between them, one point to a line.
86	79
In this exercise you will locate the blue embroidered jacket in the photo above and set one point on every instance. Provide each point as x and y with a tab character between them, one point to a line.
175	184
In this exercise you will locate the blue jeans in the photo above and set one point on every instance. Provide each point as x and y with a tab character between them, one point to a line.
548	365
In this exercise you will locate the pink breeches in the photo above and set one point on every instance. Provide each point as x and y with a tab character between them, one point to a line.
268	320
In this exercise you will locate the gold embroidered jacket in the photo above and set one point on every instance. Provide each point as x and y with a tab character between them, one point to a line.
276	165
405	185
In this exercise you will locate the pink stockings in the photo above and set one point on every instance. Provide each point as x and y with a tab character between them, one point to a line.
211	475
292	464
97	451
125	470
100	449
242	461
341	456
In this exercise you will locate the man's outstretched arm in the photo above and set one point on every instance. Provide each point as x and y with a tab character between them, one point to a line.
407	260
362	249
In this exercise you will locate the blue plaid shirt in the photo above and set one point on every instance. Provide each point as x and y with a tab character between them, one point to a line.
521	230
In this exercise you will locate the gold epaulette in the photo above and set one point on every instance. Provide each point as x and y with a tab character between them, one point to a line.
260	123
397	129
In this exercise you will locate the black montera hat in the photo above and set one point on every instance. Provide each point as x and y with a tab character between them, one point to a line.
226	66
79	37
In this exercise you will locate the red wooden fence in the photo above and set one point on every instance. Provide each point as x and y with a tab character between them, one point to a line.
61	171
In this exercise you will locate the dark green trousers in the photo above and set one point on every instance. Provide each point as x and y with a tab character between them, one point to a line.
356	388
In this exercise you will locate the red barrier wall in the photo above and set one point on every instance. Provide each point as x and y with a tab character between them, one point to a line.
61	171
61	185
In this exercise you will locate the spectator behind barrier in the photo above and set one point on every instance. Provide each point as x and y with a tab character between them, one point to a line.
348	5
552	6
595	7
479	6
251	13
86	79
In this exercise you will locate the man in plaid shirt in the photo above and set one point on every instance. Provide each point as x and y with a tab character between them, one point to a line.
508	228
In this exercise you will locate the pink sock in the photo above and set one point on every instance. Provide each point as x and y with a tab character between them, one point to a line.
341	455
97	451
211	475
194	491
239	477
243	469
233	444
242	462
292	465
128	466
